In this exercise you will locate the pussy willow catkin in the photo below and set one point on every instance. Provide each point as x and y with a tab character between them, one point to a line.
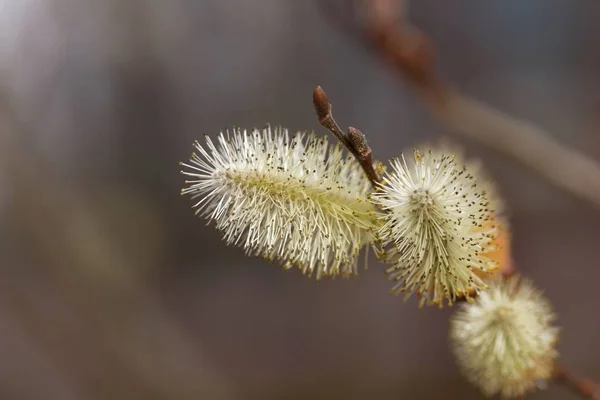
439	222
296	200
505	341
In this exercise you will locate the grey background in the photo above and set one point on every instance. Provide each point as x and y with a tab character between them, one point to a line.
110	94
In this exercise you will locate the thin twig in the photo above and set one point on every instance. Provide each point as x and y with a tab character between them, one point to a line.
586	388
412	56
323	109
355	141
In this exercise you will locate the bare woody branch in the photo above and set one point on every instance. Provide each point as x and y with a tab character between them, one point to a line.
586	388
411	54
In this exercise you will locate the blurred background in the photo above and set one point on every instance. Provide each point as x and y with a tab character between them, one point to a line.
110	288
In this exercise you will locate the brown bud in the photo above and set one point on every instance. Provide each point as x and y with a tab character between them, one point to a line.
358	140
321	102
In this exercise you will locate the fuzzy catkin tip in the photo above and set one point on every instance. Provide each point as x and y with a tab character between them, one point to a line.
296	200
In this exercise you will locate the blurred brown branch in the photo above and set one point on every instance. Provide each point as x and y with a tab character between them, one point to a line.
383	28
586	388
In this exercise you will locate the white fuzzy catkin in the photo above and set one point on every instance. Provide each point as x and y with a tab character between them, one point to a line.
505	341
296	200
440	220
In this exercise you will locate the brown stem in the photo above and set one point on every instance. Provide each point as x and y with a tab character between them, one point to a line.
411	54
355	141
323	109
584	387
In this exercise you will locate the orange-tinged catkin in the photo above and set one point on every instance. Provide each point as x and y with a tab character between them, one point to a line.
501	251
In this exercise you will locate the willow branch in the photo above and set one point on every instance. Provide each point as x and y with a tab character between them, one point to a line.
586	388
411	55
355	141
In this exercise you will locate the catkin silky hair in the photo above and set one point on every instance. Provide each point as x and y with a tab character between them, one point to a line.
296	200
438	220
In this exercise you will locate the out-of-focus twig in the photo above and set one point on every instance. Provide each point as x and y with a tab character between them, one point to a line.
411	54
586	388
